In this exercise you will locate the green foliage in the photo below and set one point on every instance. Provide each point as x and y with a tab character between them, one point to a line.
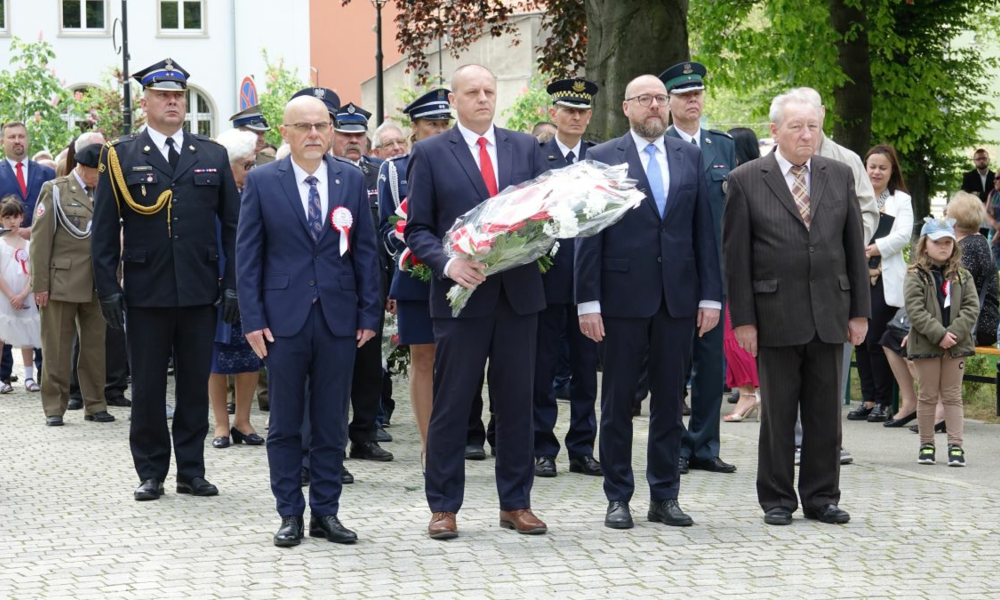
530	107
34	95
100	108
280	84
407	94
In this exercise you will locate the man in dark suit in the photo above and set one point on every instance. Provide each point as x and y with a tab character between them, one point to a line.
642	286
448	175
570	111
163	190
308	284
798	290
700	445
979	181
22	178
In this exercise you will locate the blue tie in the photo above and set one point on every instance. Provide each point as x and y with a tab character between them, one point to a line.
655	179
314	217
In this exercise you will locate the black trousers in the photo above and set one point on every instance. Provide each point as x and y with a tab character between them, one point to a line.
799	379
873	366
154	334
116	366
366	389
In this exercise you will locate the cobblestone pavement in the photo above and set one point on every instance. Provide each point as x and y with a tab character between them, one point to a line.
71	529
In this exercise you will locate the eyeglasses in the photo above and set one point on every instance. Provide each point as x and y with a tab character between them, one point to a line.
249	165
387	143
646	99
307	127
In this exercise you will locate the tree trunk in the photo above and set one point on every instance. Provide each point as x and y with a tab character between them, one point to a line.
853	100
628	38
916	169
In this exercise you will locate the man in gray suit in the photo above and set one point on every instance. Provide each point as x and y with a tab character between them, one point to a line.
798	288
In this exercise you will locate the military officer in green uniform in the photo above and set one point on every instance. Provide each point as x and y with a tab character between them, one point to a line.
62	279
163	191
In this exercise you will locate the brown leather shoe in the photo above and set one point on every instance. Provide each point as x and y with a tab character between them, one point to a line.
523	521
442	526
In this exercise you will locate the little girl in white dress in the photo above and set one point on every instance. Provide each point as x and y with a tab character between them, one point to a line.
19	322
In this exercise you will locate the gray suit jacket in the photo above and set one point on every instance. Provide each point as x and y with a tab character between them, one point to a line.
794	283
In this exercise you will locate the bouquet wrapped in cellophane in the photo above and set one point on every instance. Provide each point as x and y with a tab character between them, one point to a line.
522	223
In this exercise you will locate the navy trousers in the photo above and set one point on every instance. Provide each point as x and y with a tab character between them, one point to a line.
701	439
326	361
463	346
554	322
666	339
7	363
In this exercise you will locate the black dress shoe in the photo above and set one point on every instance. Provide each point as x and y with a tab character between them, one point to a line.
382	436
54	421
878	414
100	417
250	439
668	512
901	422
938	428
474	452
778	516
618	516
305	477
714	465
860	413
828	513
231	408
150	489
345	476
682	465
329	527
545	466
220	442
370	451
586	465
734	396
290	532
197	487
119	401
75	404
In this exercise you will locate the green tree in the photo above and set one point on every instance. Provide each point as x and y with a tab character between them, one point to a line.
32	94
280	83
100	108
530	107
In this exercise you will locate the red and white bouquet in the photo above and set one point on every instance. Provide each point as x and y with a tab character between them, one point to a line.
522	223
408	261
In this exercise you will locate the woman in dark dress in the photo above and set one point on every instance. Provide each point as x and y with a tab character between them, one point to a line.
968	212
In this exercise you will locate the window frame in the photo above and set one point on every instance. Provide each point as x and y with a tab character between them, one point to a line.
190	120
5	13
180	31
84	31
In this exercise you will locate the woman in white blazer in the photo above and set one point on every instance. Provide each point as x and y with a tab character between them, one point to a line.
887	269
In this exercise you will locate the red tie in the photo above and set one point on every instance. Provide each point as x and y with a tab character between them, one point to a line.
20	180
486	168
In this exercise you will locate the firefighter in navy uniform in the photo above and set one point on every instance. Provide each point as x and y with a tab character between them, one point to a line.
162	191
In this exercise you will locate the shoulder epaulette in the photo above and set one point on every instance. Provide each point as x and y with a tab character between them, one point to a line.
118	140
204	138
345	161
722	133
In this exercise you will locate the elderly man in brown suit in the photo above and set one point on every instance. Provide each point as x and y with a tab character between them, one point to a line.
798	290
63	284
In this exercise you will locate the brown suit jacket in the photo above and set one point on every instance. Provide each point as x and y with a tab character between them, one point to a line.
794	283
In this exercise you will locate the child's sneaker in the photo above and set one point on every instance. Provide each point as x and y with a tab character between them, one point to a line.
956	456
927	454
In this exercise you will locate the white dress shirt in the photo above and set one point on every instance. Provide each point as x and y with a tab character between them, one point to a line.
594	306
566	149
322	187
472	140
786	172
160	141
13	168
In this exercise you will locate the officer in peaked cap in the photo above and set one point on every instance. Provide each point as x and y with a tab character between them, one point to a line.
432	106
252	120
156	189
329	98
685	83
573	93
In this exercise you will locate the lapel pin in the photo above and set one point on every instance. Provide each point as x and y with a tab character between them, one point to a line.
191	148
708	140
336	181
145	149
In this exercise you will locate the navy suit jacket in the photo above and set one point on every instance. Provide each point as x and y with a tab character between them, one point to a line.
404	287
444	183
280	270
633	265
37	175
558	280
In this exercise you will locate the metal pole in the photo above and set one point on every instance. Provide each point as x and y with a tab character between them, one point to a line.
127	110
378	61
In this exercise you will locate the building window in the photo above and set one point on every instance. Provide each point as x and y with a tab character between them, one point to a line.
82	15
182	16
3	17
200	117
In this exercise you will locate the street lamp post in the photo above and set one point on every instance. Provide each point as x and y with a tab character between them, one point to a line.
379	115
127	104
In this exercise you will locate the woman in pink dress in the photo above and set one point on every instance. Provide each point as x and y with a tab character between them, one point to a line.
741	373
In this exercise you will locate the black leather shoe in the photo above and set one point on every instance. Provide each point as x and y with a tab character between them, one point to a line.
54	421
345	476
618	516
860	413
878	414
370	451
231	408
220	442
545	466
902	422
778	516
197	487
734	396
250	439
474	452
150	489
828	513
586	465
382	436
682	465
75	404
290	532
305	477
329	527
100	417
938	428
714	465
119	401
668	512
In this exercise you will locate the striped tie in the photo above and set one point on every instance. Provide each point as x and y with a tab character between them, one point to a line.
800	193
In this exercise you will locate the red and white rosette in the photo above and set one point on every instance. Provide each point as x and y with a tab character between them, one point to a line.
22	257
342	220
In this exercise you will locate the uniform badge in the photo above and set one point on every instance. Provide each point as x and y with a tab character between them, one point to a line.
319	93
145	149
579	86
687	69
40	210
149	179
350	109
191	148
708	140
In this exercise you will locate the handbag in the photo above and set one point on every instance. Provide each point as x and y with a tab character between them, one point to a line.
899	325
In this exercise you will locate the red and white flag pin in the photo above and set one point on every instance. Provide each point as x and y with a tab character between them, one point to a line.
342	220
